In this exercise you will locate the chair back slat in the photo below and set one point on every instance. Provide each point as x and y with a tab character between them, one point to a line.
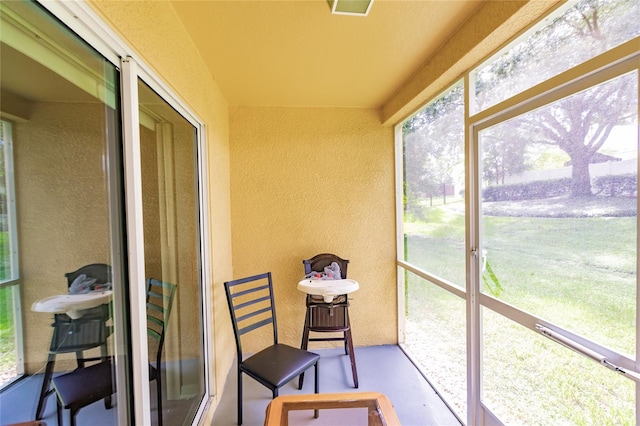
249	291
155	308
154	334
251	302
253	326
160	297
253	314
251	306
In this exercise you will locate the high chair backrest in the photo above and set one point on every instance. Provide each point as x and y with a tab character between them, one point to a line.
320	261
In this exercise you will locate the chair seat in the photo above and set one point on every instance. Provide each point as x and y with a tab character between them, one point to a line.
84	386
279	364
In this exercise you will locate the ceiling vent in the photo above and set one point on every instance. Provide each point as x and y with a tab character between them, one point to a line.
350	7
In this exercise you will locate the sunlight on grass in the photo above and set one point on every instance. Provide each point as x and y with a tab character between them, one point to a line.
579	273
530	380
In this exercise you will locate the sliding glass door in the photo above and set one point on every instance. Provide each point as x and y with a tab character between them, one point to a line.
77	249
169	165
61	221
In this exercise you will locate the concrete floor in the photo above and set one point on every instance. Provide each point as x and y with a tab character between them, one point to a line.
384	369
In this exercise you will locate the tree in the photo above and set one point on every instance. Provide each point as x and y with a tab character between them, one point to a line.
433	146
504	152
580	124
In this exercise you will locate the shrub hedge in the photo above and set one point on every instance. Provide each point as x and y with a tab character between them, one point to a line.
611	185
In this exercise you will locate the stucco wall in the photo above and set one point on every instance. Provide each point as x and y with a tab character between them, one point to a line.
311	180
153	30
62	225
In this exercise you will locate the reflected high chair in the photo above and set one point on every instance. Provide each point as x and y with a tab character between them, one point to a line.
78	335
72	389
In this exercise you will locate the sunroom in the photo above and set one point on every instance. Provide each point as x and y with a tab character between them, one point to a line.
475	161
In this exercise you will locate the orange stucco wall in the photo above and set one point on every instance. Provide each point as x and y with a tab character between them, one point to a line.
312	180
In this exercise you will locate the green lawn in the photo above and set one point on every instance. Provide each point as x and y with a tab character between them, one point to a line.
575	272
7	333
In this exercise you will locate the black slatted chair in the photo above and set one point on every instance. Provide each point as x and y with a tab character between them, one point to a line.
333	317
87	385
252	306
76	336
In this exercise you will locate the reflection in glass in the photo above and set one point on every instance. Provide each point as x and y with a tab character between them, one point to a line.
171	231
60	98
434	210
559	210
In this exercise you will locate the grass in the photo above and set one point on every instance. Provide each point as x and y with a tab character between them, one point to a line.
8	356
577	272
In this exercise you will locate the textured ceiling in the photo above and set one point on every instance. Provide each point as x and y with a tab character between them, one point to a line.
296	53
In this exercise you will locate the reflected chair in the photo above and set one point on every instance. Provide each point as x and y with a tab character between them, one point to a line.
72	388
82	387
76	336
159	301
333	317
252	306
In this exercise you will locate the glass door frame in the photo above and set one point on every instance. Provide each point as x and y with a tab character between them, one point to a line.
89	26
613	63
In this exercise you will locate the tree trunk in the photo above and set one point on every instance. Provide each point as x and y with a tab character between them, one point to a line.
580	178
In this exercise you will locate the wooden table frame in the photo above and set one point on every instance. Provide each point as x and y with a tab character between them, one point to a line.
380	411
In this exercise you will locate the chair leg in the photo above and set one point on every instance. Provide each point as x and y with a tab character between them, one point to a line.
105	357
107	403
159	395
80	359
305	344
317	387
72	417
59	411
45	391
352	357
239	397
